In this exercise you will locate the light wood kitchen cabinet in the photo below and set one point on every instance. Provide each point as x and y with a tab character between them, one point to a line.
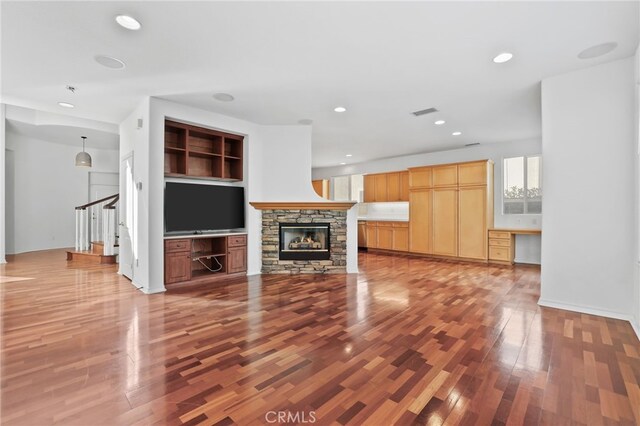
446	175
472	222
404	186
470	174
369	188
420	177
362	234
445	221
393	186
381	194
420	221
372	235
385	235
400	236
321	187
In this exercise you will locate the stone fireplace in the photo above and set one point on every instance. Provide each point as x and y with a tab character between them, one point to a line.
304	238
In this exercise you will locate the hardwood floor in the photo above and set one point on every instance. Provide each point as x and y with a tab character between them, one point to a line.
407	341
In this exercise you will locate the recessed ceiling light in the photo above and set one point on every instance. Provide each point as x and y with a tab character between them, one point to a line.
439	122
66	105
223	97
128	22
348	155
456	133
599	50
339	109
110	62
305	121
342	164
503	57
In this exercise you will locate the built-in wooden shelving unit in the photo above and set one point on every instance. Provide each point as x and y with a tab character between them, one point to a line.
191	151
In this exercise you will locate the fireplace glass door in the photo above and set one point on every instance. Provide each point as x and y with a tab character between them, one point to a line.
308	241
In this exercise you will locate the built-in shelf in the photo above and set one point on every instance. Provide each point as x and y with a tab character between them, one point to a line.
205	255
192	151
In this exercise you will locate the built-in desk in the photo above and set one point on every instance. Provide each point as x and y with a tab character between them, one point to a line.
502	243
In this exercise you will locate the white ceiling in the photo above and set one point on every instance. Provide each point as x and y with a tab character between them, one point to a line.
288	61
66	135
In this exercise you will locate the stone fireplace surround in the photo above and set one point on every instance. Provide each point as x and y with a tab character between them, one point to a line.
335	214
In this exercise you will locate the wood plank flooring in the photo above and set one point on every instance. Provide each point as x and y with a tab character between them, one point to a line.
407	341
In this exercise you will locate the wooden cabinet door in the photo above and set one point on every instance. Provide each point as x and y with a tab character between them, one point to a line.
393	186
472	222
321	187
372	235
420	177
381	188
404	186
362	234
445	222
401	238
177	267
369	188
472	173
236	259
420	221
445	175
385	237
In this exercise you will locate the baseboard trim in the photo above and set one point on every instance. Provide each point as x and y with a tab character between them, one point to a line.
145	291
591	311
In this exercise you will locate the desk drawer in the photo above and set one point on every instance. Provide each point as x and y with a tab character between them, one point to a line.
237	241
499	243
500	253
499	234
177	245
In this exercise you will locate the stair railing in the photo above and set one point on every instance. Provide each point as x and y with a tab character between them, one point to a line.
86	212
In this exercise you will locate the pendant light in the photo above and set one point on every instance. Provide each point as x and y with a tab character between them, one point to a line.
83	159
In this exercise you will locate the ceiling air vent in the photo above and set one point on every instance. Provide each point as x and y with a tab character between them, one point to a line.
472	144
424	112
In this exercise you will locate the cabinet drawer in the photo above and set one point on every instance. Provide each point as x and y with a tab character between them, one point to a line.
499	243
499	234
385	224
177	245
500	253
237	241
400	224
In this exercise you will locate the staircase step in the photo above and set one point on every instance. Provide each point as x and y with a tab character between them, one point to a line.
88	256
98	247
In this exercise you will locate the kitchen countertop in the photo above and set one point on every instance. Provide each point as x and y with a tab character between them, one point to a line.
382	219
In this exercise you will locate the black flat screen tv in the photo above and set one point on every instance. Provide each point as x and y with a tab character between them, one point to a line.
195	208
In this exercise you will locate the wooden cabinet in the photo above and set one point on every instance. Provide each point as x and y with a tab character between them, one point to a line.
446	175
393	186
362	234
372	235
321	187
381	194
400	236
236	259
470	174
472	222
501	247
445	222
386	187
369	188
420	221
404	186
191	151
204	257
420	177
387	235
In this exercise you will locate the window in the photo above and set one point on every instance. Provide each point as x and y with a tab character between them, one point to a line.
522	185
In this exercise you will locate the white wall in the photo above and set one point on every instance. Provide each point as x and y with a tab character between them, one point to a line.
43	188
588	244
636	280
277	165
527	247
3	206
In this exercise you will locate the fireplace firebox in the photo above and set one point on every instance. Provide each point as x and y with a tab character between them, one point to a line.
304	241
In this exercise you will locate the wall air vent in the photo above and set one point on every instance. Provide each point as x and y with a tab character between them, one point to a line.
472	144
424	112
